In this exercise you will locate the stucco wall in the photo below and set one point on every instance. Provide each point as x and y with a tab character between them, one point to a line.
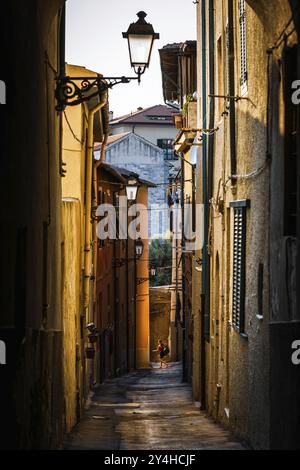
71	308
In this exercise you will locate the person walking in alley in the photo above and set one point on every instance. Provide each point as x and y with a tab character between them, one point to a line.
163	352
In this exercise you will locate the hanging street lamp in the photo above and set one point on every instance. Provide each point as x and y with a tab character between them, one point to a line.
139	248
141	37
132	190
153	271
71	91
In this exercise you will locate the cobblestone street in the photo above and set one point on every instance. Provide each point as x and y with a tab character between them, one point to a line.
149	410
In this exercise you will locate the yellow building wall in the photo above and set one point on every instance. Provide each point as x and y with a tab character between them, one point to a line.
142	300
74	149
71	248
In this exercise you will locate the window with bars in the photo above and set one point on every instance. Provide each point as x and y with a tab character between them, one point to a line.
239	264
243	46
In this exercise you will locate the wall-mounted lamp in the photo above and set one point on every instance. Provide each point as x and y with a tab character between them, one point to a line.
71	91
139	248
153	271
141	37
132	189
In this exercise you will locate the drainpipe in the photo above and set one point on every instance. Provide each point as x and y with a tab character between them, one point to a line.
127	302
204	201
135	309
184	339
231	88
104	143
95	200
211	147
88	198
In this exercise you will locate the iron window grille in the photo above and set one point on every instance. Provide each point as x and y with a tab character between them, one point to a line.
239	264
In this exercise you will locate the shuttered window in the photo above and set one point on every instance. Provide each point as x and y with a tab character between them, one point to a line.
243	45
239	264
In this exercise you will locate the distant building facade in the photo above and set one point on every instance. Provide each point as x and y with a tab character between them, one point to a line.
155	124
135	153
143	142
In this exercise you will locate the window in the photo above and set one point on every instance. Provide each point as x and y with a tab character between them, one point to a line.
167	146
158	118
239	264
243	46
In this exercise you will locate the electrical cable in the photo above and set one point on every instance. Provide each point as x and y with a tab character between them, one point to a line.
81	141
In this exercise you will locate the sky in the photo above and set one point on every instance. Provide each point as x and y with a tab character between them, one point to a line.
94	40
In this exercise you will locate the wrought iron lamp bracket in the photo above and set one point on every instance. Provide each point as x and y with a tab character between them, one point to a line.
71	91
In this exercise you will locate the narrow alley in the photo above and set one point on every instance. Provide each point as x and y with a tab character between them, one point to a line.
145	410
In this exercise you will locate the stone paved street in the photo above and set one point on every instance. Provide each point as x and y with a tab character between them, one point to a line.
149	410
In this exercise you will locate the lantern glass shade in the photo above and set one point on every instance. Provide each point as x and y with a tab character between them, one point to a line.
153	271
131	192
140	37
140	47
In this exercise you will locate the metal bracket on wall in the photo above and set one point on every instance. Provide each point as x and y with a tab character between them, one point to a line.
236	99
71	91
141	280
229	98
